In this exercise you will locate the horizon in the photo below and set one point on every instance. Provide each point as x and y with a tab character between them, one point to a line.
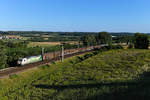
76	32
75	16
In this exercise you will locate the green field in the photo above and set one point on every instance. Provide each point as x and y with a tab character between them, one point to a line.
110	75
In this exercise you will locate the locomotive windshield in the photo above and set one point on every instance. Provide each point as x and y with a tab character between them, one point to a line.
20	60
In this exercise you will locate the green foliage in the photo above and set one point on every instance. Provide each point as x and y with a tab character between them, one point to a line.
110	46
88	40
115	74
141	41
104	38
3	56
13	76
124	39
115	47
11	51
88	55
11	44
101	38
44	67
70	46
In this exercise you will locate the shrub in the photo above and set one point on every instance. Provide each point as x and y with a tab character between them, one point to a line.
88	55
13	76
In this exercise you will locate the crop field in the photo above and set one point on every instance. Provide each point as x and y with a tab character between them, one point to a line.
47	36
110	75
45	44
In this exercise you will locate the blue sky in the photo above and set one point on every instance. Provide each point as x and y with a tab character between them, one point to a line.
75	15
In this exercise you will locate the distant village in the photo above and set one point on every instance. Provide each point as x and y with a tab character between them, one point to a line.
6	37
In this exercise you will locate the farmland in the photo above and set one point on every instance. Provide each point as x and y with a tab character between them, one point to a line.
46	44
114	74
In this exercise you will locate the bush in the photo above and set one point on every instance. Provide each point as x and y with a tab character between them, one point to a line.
109	47
115	47
13	76
88	55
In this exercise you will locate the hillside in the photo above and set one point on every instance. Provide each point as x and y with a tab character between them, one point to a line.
115	74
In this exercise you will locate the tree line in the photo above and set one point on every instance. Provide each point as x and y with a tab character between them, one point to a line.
96	39
138	41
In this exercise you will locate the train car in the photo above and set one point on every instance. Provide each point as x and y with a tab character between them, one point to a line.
28	60
83	49
66	52
74	51
47	56
57	54
51	55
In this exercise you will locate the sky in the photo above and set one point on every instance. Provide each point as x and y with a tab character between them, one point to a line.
75	15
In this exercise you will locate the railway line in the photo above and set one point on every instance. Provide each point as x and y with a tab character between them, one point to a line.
15	70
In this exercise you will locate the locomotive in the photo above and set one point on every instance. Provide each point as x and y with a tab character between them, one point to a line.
52	55
28	60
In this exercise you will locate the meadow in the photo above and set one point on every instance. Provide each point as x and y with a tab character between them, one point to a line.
113	75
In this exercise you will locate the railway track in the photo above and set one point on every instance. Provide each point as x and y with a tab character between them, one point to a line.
15	70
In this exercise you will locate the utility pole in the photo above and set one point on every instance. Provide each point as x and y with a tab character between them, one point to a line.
42	53
78	44
62	52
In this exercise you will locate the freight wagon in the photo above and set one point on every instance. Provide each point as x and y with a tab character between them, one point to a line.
51	55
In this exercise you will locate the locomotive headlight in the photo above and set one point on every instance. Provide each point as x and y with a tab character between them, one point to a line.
19	61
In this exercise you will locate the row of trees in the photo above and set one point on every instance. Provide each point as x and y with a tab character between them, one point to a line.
139	41
100	38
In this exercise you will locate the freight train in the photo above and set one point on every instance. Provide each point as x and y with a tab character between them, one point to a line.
52	55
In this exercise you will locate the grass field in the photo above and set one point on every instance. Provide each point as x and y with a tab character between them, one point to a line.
110	75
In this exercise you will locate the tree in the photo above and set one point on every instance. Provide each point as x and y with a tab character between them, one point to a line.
124	39
11	44
104	38
3	57
141	41
88	40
